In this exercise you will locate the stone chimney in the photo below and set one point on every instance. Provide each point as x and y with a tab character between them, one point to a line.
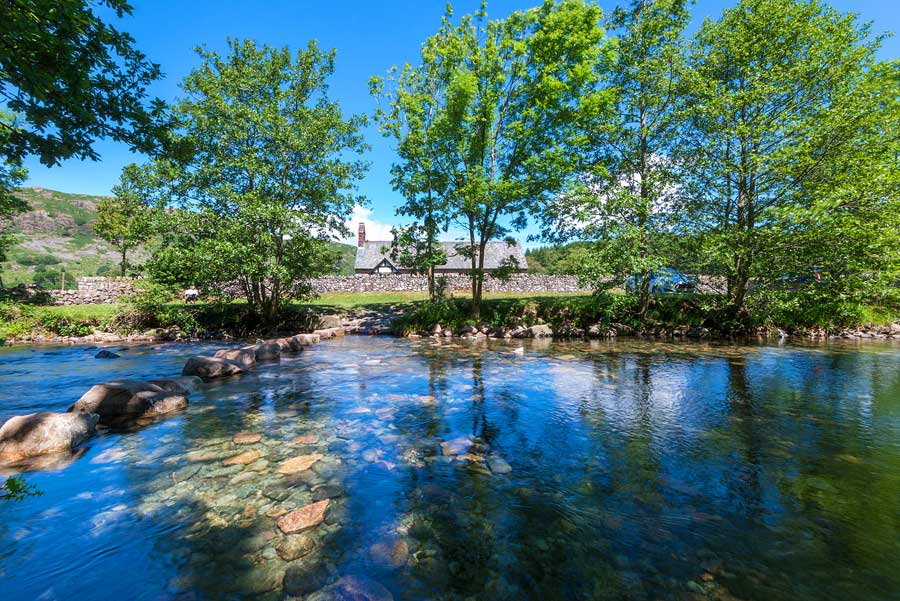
361	237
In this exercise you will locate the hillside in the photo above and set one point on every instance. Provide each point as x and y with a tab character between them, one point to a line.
57	232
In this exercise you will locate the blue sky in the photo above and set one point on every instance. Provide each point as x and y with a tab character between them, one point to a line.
369	37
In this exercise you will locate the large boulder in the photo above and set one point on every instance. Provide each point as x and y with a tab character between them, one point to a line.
210	368
328	322
306	339
38	433
244	357
127	400
268	351
329	333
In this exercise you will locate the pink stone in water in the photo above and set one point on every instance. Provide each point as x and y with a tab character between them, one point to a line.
303	518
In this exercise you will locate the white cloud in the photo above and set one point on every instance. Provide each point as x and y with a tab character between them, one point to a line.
374	230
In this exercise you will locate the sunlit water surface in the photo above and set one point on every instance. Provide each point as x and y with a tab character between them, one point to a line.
624	470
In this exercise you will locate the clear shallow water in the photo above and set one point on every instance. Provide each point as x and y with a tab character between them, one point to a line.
639	470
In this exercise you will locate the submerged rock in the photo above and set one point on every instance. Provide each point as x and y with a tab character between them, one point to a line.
304	518
360	588
244	458
498	465
306	439
104	354
394	555
38	433
246	438
304	578
295	546
128	399
299	464
456	446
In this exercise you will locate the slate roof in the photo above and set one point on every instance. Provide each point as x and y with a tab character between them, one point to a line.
370	254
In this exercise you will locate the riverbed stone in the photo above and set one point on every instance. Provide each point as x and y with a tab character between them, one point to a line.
305	439
304	518
45	432
128	399
498	465
300	463
361	588
105	354
295	546
244	458
210	368
393	554
303	578
456	446
246	438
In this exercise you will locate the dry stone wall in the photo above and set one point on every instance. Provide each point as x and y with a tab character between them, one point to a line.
106	290
521	282
95	291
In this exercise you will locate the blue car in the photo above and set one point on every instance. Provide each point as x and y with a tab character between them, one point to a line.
663	281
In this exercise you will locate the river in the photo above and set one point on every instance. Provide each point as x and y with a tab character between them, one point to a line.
461	470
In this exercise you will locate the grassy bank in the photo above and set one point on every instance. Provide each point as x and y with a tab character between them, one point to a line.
570	312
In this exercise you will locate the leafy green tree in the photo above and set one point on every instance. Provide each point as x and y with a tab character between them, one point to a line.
11	176
70	79
631	193
491	119
271	176
840	231
125	220
416	247
773	102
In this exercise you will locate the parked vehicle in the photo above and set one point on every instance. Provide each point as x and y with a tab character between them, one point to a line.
815	276
663	281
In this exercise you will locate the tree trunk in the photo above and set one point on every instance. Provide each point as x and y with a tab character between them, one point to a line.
476	295
124	263
644	217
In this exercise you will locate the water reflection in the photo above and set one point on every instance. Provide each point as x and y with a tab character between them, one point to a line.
609	470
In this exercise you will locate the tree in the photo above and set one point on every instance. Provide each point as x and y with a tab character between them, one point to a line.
271	176
416	247
126	220
491	120
70	79
772	100
631	192
843	222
